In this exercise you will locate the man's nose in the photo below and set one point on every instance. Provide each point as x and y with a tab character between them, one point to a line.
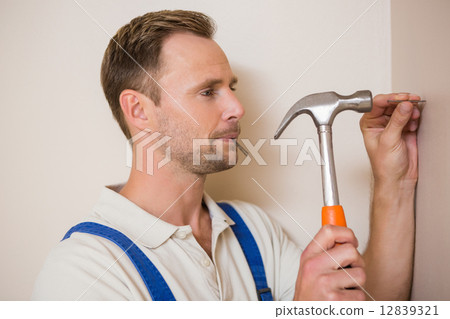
233	108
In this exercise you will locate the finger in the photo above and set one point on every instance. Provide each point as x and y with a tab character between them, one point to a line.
413	98
347	278
412	126
352	295
341	256
414	121
381	106
416	113
381	111
344	295
327	237
380	103
398	122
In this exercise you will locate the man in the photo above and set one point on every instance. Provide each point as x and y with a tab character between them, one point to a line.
163	73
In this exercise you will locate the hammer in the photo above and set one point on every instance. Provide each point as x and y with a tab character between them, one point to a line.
323	107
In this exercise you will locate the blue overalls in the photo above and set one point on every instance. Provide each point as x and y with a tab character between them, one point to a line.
155	283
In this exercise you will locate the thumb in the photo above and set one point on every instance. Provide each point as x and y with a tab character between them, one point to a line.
399	118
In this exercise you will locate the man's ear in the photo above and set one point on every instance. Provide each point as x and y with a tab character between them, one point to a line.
135	106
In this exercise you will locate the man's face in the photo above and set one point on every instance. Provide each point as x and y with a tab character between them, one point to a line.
198	77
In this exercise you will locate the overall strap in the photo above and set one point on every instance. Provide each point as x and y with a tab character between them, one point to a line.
251	252
155	283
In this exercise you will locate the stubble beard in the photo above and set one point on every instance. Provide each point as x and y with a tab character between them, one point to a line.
182	146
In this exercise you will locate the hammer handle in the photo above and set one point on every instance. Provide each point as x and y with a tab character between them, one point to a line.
333	215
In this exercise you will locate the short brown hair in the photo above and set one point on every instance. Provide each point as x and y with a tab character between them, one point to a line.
138	45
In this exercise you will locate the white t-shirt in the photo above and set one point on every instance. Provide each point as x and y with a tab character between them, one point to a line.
89	267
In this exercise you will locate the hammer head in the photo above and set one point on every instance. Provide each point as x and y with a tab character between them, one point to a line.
323	107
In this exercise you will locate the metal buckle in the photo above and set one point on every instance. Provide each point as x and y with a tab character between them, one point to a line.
263	291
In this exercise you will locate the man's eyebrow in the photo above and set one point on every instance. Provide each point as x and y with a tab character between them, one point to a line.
213	82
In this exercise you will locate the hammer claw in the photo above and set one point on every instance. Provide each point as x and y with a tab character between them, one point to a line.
323	107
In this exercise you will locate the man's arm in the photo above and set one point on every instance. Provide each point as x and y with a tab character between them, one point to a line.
391	142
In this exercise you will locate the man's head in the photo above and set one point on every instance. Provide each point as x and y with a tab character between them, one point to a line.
188	91
137	47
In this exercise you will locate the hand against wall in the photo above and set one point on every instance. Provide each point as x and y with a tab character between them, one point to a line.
390	136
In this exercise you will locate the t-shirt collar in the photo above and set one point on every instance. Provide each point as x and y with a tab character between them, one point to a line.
143	227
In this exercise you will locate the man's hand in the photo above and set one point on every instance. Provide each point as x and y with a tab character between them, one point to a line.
390	137
321	275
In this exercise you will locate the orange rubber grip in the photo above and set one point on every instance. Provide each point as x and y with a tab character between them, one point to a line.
333	215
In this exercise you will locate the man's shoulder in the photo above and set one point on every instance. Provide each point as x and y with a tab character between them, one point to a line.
76	269
89	245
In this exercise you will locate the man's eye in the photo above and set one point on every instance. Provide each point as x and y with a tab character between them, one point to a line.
232	88
207	93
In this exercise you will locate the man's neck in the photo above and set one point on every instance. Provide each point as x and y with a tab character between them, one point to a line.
174	197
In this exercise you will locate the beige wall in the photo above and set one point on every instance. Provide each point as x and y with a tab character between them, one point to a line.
60	143
420	63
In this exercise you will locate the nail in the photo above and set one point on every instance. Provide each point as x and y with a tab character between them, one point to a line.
243	150
412	101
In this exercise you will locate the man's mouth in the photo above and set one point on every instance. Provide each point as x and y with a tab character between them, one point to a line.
231	136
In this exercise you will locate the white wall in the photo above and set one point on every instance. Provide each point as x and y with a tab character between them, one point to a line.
60	144
420	55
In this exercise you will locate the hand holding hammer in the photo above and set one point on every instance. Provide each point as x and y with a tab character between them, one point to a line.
390	135
322	274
